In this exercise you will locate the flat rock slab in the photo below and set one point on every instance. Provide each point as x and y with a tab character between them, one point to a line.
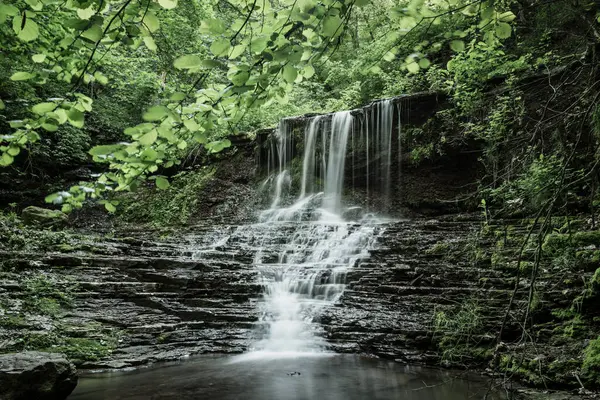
36	375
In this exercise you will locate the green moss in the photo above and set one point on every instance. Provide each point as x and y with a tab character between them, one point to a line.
83	349
10	321
522	368
591	361
163	337
438	248
173	206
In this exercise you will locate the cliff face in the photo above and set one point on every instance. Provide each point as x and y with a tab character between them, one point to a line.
433	185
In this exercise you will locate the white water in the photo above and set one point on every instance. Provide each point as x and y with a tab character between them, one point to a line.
305	247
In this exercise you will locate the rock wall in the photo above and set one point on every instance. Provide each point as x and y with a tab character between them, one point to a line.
435	185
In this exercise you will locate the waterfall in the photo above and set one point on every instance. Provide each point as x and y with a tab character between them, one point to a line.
306	246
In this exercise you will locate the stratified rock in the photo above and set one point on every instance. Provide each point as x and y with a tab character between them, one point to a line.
33	215
36	375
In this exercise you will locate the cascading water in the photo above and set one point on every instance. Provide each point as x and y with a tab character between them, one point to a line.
305	246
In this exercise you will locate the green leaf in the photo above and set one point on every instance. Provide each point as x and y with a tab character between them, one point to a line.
309	71
168	4
187	62
150	43
110	207
104	149
43	108
51	198
75	117
2	106
21	76
151	21
35	4
212	26
49	127
259	44
6	159
7	10
413	67
178	96
237	51
28	32
39	58
100	78
503	30
162	183
14	151
85	13
289	73
149	154
424	63
220	47
156	113
94	33
457	45
148	138
240	78
332	25
217	146
507	16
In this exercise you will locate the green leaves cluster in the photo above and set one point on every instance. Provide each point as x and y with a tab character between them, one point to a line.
256	53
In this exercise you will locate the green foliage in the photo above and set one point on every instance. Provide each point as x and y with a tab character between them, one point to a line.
591	361
458	333
173	205
531	189
197	71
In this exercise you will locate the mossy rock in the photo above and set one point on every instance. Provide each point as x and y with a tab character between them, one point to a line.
44	217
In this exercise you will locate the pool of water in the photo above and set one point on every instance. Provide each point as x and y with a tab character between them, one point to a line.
343	377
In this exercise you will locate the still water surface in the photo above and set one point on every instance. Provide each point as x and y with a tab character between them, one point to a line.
337	377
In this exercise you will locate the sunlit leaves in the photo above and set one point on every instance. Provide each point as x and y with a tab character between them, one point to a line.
38	58
150	43
236	51
94	33
188	62
212	26
503	30
25	27
75	117
217	146
21	76
457	45
168	4
220	47
100	78
289	73
86	13
43	108
309	71
151	22
7	10
156	113
162	183
149	138
332	25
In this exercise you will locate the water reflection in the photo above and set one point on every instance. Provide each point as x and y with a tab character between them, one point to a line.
338	377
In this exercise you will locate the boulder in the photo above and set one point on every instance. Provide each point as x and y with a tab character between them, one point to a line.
36	375
33	215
